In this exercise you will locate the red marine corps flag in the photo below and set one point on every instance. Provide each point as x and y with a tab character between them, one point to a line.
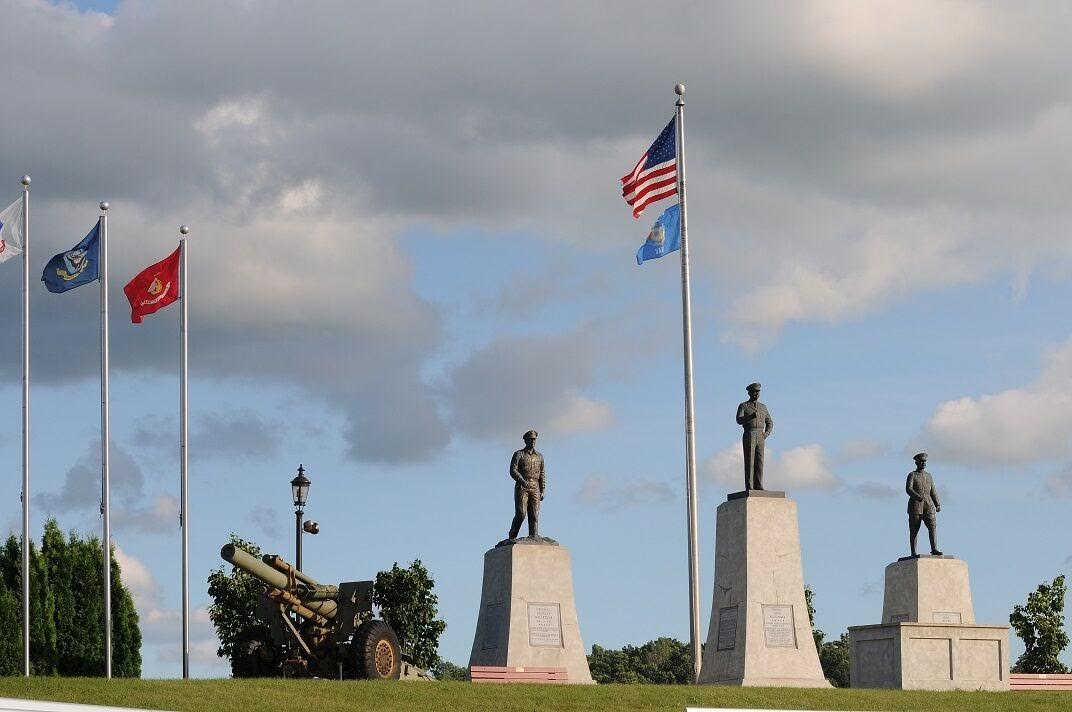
154	287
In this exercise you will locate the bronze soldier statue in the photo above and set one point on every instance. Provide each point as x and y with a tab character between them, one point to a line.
923	504
757	423
527	470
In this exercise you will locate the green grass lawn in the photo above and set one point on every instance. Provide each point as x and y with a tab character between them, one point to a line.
328	696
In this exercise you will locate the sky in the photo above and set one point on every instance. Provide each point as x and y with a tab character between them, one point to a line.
408	246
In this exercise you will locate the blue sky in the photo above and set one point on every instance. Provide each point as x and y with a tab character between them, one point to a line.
409	247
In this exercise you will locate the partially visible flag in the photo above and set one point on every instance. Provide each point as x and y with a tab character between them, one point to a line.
665	236
11	237
75	267
154	287
655	174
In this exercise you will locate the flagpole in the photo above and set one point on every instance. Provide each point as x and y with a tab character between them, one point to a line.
26	425
184	460
690	412
105	435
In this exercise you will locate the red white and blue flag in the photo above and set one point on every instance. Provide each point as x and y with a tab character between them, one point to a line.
655	175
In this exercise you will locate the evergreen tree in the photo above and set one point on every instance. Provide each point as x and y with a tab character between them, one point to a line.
11	640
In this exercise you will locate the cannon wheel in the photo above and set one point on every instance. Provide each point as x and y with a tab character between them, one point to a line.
376	653
254	655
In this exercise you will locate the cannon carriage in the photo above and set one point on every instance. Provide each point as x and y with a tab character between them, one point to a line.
314	629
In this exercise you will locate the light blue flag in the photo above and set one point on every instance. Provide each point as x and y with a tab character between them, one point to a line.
665	236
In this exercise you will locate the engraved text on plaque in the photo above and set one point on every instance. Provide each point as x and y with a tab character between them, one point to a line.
545	625
493	627
727	628
778	627
945	617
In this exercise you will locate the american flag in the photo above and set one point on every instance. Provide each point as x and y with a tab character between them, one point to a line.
655	174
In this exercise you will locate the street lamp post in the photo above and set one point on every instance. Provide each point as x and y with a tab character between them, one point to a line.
299	488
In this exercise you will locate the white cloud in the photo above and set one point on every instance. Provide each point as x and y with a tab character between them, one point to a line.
138	579
1013	427
579	414
611	495
898	47
804	467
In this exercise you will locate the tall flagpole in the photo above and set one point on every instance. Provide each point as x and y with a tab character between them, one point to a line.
105	482
26	426
184	460
690	412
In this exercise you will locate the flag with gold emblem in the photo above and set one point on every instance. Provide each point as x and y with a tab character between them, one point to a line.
153	288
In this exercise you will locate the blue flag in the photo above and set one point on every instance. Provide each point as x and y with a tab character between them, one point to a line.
665	236
76	266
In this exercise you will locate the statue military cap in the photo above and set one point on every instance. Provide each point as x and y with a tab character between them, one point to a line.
753	387
530	434
920	456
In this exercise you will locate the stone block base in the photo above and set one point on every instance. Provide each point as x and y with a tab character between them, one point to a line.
527	614
759	633
930	656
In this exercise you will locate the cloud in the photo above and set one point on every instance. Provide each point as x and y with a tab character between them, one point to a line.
137	578
897	48
236	435
804	467
860	450
1059	484
520	382
874	490
1012	427
608	495
81	494
267	519
875	154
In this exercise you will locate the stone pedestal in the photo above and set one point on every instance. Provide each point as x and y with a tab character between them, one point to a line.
759	633
927	589
928	638
527	614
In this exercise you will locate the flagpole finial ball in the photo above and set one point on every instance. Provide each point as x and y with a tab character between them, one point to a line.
104	205
679	90
184	229
26	180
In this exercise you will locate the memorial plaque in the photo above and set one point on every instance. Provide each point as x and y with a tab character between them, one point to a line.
494	615
899	618
727	628
945	617
545	625
779	629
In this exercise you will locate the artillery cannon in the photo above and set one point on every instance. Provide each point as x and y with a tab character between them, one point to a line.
314	630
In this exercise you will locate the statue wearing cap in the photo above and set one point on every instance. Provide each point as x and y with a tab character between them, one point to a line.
923	504
756	421
530	481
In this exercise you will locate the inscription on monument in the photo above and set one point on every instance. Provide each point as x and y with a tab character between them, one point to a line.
494	614
899	618
545	625
727	628
778	627
945	617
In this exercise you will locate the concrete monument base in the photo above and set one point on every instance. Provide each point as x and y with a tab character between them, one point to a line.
760	634
527	614
928	638
930	656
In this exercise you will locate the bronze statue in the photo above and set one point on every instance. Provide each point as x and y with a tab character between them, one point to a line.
757	423
923	504
527	470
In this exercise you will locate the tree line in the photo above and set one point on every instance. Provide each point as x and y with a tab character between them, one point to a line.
66	609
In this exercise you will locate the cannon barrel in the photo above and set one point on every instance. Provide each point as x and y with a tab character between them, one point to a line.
275	579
